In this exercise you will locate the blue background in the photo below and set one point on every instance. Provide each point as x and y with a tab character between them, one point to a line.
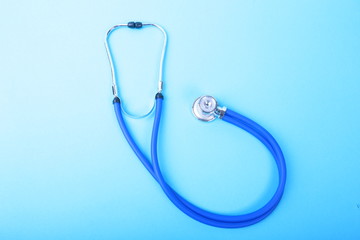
66	171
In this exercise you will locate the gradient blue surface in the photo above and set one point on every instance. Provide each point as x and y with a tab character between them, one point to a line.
66	171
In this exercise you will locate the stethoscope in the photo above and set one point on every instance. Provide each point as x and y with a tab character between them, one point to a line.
205	108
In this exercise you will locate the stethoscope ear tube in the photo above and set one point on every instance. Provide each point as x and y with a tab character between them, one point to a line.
114	77
197	213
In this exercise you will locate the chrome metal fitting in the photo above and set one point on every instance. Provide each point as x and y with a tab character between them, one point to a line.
206	109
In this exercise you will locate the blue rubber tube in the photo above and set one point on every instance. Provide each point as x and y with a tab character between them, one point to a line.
201	215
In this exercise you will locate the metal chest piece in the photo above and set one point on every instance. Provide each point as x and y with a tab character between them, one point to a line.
206	109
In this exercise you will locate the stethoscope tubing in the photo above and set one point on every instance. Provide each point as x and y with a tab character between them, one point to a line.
201	215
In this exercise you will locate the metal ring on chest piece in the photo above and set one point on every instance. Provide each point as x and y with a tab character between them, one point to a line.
204	108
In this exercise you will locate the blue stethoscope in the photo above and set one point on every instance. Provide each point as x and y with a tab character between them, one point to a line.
204	108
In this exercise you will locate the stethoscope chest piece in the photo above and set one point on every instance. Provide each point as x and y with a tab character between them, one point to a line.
206	109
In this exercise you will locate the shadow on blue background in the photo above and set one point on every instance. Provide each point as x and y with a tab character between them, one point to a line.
67	173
